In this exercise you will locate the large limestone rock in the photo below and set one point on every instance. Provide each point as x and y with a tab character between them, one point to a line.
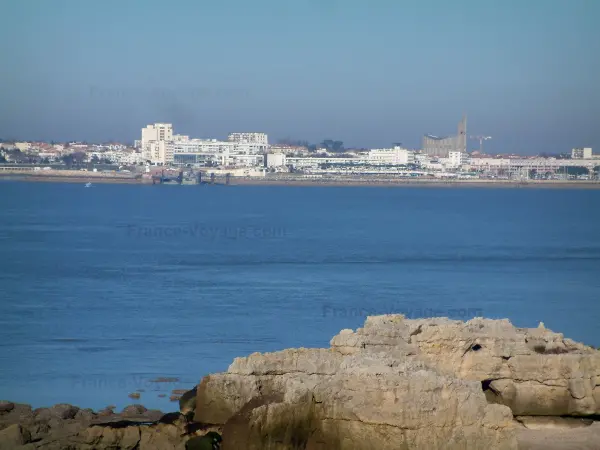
532	370
324	399
403	384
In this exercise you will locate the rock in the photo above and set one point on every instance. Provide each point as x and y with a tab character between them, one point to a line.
135	395
321	396
13	436
179	391
66	427
187	402
133	410
587	438
210	441
85	415
108	411
398	383
6	406
63	411
534	371
165	380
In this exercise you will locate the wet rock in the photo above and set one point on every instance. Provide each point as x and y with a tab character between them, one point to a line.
165	380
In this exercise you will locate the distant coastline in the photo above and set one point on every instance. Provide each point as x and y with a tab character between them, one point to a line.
300	181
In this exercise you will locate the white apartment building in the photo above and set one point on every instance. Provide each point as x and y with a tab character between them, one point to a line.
201	151
152	137
457	159
581	153
249	138
391	156
275	160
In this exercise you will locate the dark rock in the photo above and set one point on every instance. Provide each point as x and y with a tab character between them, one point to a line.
6	406
85	415
133	410
18	412
187	402
170	418
210	441
154	415
42	414
64	411
164	380
108	411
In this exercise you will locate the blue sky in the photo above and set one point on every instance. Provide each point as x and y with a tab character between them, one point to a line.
366	72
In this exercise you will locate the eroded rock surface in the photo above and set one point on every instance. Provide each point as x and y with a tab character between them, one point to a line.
534	371
403	384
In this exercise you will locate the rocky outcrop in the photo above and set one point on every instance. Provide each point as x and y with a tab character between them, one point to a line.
402	384
534	371
323	399
68	427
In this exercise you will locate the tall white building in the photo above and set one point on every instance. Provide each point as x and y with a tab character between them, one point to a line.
391	156
153	141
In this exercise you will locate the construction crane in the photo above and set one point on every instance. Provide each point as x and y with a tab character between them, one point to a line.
481	139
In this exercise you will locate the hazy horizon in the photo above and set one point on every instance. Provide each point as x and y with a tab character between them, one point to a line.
368	74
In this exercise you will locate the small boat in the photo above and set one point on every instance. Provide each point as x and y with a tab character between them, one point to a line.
88	184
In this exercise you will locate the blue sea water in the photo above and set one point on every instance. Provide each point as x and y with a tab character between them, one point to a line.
102	290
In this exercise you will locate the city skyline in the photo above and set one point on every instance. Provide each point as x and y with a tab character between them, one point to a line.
366	75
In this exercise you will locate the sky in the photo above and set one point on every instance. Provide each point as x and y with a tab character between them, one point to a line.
369	73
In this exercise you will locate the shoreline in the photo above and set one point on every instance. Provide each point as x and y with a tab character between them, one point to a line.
332	182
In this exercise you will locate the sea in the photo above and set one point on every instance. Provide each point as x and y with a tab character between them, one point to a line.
107	290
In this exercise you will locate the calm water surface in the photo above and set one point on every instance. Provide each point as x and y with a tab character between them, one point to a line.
102	290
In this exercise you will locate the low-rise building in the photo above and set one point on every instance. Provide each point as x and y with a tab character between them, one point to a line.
275	160
391	156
